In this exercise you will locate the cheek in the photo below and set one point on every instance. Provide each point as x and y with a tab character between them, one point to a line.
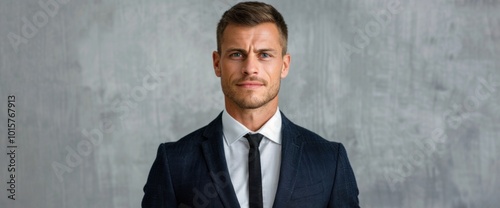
229	67
227	75
276	72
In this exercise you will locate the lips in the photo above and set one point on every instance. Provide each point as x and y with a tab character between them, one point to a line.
250	84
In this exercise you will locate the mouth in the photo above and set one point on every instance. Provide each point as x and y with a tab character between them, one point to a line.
250	84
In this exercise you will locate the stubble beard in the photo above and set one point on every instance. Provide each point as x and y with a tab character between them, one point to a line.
252	101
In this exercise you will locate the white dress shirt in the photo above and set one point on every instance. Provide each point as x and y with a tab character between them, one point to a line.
236	149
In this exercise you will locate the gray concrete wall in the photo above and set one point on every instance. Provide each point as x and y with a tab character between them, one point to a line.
411	89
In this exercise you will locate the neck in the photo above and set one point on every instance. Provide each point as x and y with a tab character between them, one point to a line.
253	119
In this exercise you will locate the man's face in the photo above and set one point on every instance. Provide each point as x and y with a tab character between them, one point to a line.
251	65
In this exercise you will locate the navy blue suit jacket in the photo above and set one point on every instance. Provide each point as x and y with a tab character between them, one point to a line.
192	172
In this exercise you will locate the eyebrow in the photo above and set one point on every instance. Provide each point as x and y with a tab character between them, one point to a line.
245	52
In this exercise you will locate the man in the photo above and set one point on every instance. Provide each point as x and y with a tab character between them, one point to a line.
251	155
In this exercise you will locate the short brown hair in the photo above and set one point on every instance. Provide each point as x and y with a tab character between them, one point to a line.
250	14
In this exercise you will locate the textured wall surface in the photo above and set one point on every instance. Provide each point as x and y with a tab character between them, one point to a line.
412	89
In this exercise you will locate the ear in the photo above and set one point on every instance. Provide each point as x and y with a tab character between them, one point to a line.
216	61
286	65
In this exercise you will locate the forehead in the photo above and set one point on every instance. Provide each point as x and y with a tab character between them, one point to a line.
264	35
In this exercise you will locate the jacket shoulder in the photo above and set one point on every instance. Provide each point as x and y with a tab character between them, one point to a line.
194	139
309	136
190	140
303	134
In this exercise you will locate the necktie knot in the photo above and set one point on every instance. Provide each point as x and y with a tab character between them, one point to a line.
254	139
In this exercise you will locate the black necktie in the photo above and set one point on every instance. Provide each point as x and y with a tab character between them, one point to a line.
254	172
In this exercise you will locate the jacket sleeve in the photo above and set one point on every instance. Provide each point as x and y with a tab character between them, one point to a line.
345	190
158	191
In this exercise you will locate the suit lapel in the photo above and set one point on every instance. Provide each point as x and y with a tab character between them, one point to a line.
213	150
290	159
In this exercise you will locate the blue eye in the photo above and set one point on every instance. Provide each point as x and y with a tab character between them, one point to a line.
236	55
265	55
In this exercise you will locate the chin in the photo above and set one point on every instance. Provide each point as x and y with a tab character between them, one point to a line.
250	104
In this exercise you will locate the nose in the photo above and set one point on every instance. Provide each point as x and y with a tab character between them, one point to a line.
250	65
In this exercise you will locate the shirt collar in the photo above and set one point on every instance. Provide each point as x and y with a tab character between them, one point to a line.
234	130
